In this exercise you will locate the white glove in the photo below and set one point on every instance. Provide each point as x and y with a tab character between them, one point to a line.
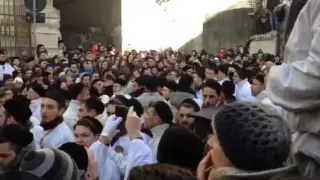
110	127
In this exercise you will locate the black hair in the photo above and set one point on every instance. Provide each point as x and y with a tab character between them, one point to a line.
213	84
94	104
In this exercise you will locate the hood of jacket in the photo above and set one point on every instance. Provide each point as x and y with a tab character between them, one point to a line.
290	172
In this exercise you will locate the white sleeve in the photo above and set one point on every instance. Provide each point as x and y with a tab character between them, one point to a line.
100	152
296	86
139	154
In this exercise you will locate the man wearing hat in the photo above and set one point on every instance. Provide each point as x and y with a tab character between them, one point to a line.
15	111
56	131
34	95
158	118
5	67
14	140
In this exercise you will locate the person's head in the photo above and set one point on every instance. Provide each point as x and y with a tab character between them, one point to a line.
52	106
228	89
79	92
258	84
13	140
98	86
168	88
94	76
175	148
41	48
138	83
92	107
210	73
68	80
28	74
85	79
184	114
111	106
3	56
160	172
42	56
43	63
172	75
158	113
261	138
36	91
211	93
73	67
240	75
222	71
8	93
16	112
119	85
18	82
87	131
197	79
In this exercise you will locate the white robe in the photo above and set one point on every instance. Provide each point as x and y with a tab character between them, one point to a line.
56	137
295	84
157	133
71	117
35	107
243	91
110	162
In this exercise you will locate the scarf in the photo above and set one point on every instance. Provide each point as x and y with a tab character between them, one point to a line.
52	124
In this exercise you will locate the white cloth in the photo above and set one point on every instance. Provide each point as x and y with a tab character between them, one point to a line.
157	133
35	107
124	142
295	84
71	117
243	91
102	118
223	80
6	69
37	132
56	137
264	99
139	153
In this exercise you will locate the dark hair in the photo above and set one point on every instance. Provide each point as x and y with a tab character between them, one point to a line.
260	77
94	104
160	172
228	88
84	75
93	124
213	84
224	68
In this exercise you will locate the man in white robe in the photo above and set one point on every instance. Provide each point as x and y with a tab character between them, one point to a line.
56	132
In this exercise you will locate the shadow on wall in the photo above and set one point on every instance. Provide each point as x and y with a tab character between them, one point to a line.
227	29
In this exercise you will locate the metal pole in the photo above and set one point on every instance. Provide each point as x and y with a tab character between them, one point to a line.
34	28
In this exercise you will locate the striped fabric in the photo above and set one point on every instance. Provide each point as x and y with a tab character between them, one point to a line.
50	164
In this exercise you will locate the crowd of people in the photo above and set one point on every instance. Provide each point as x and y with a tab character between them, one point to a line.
100	114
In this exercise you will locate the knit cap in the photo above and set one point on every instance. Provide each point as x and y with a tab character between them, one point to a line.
50	164
252	136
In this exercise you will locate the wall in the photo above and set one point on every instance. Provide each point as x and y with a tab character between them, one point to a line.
47	33
227	25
